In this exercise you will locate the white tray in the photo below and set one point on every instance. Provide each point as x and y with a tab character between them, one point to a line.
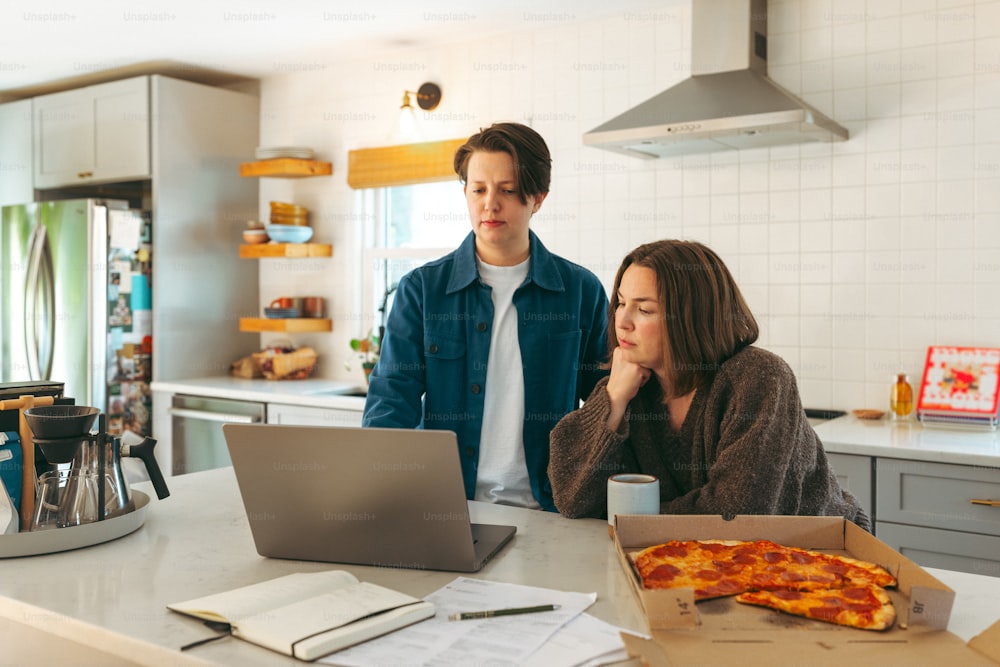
75	537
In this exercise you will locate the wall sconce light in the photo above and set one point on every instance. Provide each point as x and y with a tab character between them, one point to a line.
428	97
407	129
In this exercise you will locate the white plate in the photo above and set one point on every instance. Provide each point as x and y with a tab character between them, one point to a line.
75	537
270	152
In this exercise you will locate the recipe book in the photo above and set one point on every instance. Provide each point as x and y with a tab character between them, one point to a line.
308	615
960	386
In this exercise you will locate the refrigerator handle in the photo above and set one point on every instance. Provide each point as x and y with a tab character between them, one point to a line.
39	277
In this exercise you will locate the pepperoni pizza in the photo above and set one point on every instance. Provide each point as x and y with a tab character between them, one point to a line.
790	579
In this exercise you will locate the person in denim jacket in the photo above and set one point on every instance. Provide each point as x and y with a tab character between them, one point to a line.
499	339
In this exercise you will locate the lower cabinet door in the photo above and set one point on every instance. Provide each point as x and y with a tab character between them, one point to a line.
854	472
945	549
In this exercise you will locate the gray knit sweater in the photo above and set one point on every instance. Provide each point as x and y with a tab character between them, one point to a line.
745	448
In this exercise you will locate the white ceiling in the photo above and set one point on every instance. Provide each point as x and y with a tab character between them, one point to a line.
52	44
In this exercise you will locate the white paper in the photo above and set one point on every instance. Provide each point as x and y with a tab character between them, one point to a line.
504	640
583	641
125	229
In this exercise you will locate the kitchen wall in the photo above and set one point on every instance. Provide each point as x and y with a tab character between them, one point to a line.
854	256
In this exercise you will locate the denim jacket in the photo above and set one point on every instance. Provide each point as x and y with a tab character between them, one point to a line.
432	369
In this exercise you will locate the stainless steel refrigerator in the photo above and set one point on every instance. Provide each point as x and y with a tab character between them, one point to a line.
75	284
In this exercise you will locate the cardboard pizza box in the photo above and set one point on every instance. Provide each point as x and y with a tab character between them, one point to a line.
684	633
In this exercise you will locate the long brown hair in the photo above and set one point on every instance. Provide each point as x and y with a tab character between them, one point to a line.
532	162
706	318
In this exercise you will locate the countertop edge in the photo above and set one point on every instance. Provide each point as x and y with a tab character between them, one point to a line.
311	392
910	440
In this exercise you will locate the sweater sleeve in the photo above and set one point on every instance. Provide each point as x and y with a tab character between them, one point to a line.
583	453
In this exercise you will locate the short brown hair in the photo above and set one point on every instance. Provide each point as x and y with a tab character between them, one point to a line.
532	162
707	320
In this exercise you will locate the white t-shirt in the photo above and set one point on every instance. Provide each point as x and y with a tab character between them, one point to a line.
503	474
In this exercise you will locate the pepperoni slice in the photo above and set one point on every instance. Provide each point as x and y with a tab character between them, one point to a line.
671	550
715	548
787	594
828	614
730	569
663	573
803	558
856	593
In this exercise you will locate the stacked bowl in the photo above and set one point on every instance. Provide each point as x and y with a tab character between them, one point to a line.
289	223
289	214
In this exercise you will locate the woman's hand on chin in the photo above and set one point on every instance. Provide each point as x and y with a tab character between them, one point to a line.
624	382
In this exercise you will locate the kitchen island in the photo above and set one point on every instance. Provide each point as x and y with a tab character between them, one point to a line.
198	541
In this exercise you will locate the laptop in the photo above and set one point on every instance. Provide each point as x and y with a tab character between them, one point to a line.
368	496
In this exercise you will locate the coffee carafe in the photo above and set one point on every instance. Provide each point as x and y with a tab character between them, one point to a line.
93	487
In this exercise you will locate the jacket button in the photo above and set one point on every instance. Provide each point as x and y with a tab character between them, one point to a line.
481	326
469	452
476	389
433	349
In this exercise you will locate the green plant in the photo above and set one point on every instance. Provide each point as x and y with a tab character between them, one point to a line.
367	348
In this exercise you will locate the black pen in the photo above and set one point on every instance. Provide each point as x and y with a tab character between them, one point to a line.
469	615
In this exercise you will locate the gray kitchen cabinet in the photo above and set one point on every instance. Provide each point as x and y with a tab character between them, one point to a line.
945	549
15	153
278	413
940	514
854	472
95	134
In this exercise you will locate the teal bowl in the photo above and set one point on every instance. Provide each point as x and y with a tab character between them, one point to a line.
289	233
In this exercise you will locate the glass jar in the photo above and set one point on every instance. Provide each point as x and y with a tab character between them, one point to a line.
901	398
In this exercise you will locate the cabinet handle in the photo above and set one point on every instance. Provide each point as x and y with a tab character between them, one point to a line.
209	416
991	503
84	174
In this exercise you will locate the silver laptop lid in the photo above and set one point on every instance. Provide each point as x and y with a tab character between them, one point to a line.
383	497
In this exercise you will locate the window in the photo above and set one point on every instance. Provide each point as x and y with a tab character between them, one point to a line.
408	226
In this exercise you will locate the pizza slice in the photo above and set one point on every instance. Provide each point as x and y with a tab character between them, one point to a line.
864	607
794	568
713	568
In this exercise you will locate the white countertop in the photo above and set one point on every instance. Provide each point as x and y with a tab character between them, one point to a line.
198	541
910	440
311	391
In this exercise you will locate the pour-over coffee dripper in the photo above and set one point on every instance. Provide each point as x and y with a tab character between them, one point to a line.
62	433
60	430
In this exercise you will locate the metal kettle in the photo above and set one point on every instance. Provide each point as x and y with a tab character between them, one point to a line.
101	455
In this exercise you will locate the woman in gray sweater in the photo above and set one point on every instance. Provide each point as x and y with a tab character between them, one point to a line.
690	400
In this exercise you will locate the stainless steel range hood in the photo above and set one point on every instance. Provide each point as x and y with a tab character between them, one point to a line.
727	103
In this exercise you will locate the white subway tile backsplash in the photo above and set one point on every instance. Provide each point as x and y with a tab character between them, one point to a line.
882	201
817	332
987	329
847	267
854	255
816	204
883	34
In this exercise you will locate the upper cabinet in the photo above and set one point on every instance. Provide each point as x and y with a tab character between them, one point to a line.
96	134
15	153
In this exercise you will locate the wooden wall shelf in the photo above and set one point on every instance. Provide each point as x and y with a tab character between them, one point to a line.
288	325
285	167
286	250
406	164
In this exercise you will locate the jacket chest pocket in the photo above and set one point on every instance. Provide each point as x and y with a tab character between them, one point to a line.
443	349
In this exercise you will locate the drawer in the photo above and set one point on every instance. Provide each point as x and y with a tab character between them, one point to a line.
937	495
855	474
302	415
945	549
